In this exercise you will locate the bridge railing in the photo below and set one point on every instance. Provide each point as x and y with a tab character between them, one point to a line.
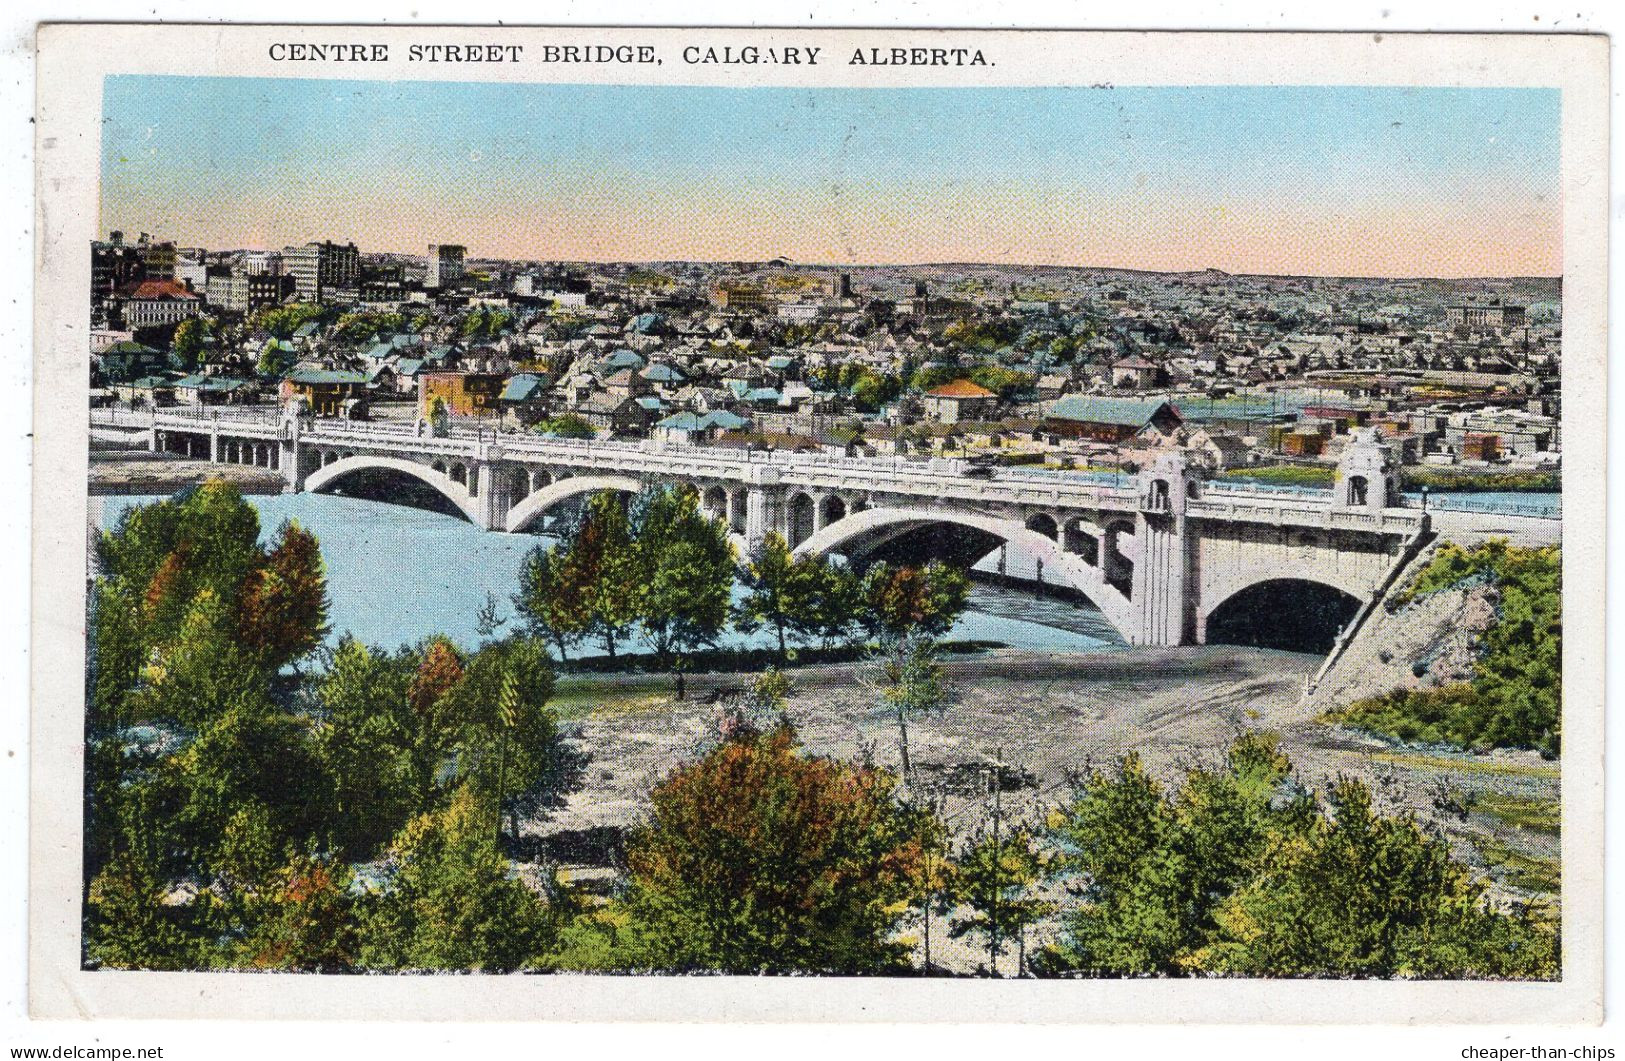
1214	486
107	416
1307	514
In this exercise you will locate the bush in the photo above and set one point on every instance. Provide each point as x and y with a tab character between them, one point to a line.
1243	872
1515	699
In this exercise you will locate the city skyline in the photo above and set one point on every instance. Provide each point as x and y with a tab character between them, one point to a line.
1402	183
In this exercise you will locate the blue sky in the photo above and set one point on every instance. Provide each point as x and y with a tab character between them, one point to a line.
633	172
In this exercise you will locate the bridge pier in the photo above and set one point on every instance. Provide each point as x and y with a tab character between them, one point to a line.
490	482
1159	589
290	454
764	505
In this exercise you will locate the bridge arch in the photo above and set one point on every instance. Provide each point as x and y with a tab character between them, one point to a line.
335	470
534	507
1295	614
883	524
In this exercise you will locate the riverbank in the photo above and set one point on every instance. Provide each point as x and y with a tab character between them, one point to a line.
1047	717
138	473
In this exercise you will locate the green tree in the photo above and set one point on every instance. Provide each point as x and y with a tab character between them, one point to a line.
191	341
914	685
304	920
834	601
566	425
130	922
907	609
1242	871
996	877
1357	894
364	738
510	749
276	359
357	327
282	321
778	593
451	902
685	569
762	859
242	795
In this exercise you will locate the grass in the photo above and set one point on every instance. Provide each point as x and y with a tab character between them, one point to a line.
1418	761
1536	815
1475	481
1412	479
1283	474
576	698
1528	873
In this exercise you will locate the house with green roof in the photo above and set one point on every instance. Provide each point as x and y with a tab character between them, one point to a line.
129	360
523	401
1103	419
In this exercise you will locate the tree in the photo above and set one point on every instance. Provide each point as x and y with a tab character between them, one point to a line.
566	425
798	597
438	415
900	602
283	321
1242	871
907	609
995	878
685	569
834	600
777	591
450	902
276	359
546	605
1356	894
303	921
191	341
510	748
431	728
914	685
129	921
762	859
283	615
600	569
364	738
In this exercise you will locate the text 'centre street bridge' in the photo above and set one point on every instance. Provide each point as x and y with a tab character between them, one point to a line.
1168	557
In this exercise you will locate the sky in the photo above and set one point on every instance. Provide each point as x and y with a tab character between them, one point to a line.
1320	180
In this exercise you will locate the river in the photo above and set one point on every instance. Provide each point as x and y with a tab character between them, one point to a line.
397	574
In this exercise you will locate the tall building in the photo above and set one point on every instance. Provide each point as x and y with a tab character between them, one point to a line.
239	291
444	266
319	266
114	264
262	263
159	257
1494	315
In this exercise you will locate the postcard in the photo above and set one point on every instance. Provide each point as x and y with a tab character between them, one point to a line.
724	524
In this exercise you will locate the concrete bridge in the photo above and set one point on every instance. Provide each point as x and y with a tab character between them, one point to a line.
1168	557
